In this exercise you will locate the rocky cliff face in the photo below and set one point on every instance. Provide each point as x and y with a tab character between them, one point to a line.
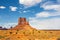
22	24
22	21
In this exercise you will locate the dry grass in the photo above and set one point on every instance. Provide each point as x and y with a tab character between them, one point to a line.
29	35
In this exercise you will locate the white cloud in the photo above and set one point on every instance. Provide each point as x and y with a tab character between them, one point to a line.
43	14
24	11
13	8
48	23
2	7
53	23
29	3
49	7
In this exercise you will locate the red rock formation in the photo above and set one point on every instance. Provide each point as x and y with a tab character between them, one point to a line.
22	21
22	24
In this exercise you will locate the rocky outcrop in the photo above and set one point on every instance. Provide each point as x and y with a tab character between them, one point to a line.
22	21
22	24
3	28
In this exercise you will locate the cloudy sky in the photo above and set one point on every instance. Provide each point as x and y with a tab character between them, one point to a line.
41	14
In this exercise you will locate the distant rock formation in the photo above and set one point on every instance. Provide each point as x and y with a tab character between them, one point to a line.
3	28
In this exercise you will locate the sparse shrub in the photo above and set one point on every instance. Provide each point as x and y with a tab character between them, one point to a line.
10	32
29	39
1	36
18	37
45	32
16	32
50	32
23	32
58	39
38	31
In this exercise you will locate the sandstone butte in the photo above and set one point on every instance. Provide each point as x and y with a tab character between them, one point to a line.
23	31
